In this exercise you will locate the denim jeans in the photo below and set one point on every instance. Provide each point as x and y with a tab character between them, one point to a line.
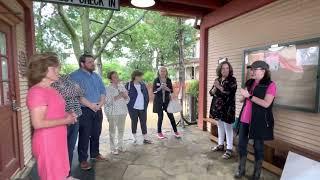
72	137
258	144
90	125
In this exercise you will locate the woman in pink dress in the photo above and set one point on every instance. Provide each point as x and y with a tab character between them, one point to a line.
48	117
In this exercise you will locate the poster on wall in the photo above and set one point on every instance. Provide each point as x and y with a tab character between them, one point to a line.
308	56
294	68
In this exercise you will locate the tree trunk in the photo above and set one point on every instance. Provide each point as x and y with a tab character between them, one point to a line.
98	59
40	30
181	68
85	24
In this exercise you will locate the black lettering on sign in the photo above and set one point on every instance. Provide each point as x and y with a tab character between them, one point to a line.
112	3
100	3
66	1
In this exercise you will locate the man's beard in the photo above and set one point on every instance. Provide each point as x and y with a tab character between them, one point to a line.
89	69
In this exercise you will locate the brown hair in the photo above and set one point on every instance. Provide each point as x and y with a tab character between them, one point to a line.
83	58
135	74
220	68
38	66
267	77
109	75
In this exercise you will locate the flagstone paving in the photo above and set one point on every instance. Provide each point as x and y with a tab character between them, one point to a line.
187	158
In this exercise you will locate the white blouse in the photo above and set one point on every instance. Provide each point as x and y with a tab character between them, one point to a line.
115	107
139	104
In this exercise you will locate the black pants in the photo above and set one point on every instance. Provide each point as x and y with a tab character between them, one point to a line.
171	118
135	116
90	125
243	143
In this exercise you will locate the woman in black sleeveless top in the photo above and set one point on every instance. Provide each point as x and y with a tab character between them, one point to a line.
256	117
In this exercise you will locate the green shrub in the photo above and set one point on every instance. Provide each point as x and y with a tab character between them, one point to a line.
193	88
149	76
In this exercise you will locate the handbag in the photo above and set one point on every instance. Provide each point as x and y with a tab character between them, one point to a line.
174	106
236	126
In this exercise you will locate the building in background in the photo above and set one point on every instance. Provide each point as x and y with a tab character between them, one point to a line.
191	64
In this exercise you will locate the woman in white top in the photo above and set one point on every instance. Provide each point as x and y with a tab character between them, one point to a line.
116	111
138	104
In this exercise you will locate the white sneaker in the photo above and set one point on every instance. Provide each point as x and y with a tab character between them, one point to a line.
134	139
72	178
122	149
115	152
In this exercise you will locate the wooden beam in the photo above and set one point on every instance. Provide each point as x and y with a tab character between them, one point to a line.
203	70
173	8
175	15
210	4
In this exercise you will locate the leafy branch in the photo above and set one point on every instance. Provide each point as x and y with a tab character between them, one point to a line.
109	38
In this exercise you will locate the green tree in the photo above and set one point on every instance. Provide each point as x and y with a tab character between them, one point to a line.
68	68
94	34
155	41
145	40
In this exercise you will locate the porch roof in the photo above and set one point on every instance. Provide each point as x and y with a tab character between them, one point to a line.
184	8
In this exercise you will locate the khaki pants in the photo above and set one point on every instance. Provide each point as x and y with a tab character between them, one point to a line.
116	122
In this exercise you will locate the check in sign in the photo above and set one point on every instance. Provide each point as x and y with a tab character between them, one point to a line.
104	4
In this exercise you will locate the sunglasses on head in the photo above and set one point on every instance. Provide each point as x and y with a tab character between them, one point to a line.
258	69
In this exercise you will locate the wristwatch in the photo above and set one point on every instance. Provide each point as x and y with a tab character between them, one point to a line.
250	97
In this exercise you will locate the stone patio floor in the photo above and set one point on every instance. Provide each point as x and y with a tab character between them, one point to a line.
187	158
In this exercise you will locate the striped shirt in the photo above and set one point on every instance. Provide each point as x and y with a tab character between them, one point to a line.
90	83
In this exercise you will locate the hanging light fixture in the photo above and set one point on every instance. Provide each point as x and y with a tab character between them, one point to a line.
143	3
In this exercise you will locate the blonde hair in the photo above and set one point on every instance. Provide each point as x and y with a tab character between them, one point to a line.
162	67
38	66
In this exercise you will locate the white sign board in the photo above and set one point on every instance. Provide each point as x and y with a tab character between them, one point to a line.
104	4
298	167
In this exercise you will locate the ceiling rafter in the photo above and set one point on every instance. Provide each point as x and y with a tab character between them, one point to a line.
210	4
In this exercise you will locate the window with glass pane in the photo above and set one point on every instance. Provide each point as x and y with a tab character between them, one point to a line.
294	68
5	81
4	78
3	48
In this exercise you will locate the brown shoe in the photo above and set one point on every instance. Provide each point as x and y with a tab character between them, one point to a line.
100	158
84	165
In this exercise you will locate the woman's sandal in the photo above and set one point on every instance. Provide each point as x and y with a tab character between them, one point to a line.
227	154
217	148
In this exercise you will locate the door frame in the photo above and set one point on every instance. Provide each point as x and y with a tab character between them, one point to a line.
11	19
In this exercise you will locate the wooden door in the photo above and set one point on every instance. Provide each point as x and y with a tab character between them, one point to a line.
9	145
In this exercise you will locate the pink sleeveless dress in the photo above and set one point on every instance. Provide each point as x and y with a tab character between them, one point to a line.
49	145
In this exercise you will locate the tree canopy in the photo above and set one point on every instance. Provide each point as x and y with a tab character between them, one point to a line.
121	40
